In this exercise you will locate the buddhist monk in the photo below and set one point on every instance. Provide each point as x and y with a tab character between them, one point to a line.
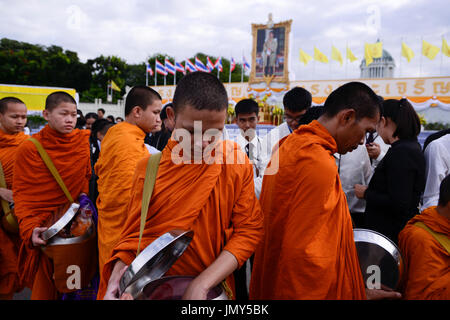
13	117
214	197
426	259
122	147
37	195
308	251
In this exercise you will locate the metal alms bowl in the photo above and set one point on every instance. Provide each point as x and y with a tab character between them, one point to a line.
61	223
377	253
154	261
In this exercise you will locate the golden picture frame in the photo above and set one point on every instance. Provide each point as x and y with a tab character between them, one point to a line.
270	53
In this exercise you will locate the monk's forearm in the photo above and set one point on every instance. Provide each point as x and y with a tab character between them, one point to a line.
221	268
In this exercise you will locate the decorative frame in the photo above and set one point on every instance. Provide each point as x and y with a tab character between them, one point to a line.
260	76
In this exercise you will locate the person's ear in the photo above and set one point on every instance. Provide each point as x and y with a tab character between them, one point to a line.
137	111
45	114
170	114
346	116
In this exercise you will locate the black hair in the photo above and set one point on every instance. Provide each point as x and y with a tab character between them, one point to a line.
4	103
121	119
311	114
102	110
246	106
100	125
297	99
81	120
56	98
111	118
90	115
444	191
353	95
163	114
202	91
140	96
402	113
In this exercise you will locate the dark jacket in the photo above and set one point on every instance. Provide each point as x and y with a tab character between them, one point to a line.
394	191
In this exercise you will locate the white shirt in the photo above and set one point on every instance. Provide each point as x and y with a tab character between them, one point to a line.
271	140
256	157
151	149
383	149
437	167
354	168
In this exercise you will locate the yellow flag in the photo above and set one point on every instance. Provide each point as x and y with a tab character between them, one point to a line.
319	56
407	52
304	57
428	50
367	54
445	48
114	86
336	55
350	55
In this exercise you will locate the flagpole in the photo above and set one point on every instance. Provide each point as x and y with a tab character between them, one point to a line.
442	53
401	50
420	62
146	75
156	75
229	80
242	68
346	58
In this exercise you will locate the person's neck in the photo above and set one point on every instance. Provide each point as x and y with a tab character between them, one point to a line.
6	131
393	139
443	211
329	124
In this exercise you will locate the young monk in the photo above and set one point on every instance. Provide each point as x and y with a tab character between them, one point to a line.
427	261
13	117
37	195
122	147
308	251
214	199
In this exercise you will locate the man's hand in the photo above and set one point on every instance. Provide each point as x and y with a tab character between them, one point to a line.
380	294
373	149
360	190
6	194
36	236
112	292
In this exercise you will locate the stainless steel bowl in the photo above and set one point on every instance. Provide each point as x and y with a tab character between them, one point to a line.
57	240
377	253
154	261
62	222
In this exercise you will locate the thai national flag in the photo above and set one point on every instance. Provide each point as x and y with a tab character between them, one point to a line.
179	67
200	66
209	64
149	69
170	68
160	68
190	66
232	64
218	64
246	64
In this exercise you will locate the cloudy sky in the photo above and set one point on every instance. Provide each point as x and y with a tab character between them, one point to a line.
136	29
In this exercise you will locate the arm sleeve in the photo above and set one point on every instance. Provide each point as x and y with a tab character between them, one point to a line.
247	222
434	173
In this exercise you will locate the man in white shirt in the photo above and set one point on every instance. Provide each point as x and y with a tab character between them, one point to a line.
247	118
437	161
296	102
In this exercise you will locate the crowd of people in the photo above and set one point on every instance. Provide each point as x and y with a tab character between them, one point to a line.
272	216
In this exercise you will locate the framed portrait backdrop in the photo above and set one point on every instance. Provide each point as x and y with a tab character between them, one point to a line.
270	52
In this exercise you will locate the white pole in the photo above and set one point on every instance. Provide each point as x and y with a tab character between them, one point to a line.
146	75
421	54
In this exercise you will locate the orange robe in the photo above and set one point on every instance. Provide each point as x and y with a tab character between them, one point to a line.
9	243
427	263
308	251
216	201
121	149
37	195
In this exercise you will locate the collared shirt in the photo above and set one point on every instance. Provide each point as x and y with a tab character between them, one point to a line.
437	160
255	154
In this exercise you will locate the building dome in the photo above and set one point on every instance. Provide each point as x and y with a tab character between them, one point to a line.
380	67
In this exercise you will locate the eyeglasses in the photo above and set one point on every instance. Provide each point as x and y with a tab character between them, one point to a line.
288	118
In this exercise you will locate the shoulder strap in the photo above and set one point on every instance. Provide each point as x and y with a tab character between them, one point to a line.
48	162
5	204
441	238
149	183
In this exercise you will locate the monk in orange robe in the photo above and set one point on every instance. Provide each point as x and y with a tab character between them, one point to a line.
426	260
215	199
308	251
13	117
37	195
121	149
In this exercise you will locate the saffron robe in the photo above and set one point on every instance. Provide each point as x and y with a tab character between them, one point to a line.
37	196
308	251
426	262
216	201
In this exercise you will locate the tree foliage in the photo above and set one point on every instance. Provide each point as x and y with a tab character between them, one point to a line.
30	64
